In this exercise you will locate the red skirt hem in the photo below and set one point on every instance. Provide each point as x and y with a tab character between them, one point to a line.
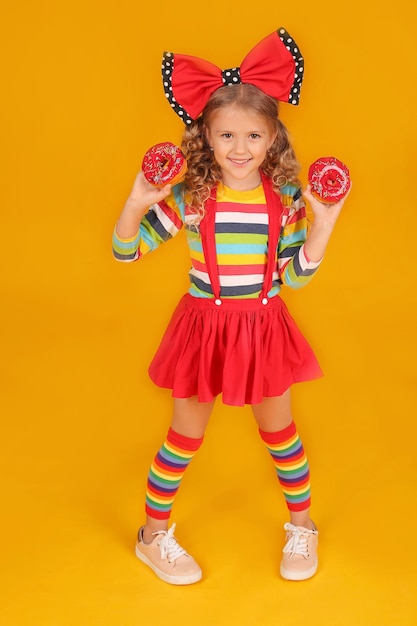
242	349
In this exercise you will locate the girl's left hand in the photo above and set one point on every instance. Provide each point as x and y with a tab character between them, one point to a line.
323	212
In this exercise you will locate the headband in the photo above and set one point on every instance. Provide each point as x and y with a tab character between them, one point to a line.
275	65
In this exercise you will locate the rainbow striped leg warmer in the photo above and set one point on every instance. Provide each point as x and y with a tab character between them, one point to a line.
291	466
166	473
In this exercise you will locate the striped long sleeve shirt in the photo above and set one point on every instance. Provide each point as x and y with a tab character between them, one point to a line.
241	235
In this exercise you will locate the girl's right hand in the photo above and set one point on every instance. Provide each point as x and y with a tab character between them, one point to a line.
141	197
143	194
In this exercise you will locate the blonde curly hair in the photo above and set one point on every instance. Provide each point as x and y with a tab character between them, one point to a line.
204	173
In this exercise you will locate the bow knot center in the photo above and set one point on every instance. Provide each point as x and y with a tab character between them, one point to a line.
231	76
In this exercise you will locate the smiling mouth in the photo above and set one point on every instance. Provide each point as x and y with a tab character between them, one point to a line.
240	162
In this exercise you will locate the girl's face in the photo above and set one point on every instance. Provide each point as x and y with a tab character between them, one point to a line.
240	139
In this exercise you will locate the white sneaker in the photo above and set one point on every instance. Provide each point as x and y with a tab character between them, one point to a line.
167	558
299	560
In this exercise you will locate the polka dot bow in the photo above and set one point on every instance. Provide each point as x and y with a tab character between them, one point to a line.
274	65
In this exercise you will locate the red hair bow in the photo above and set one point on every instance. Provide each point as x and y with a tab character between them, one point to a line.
275	65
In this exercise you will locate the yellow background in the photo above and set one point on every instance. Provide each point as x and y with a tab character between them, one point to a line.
81	102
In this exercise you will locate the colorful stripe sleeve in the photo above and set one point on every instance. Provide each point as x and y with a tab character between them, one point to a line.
295	269
160	224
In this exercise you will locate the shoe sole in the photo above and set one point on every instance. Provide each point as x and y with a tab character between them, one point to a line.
172	580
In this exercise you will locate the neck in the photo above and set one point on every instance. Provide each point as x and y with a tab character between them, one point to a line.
244	184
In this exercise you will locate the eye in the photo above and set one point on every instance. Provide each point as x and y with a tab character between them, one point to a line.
254	135
226	135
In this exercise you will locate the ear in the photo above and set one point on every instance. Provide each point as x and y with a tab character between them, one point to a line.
207	136
272	141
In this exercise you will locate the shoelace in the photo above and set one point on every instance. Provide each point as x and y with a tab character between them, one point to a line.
169	546
297	541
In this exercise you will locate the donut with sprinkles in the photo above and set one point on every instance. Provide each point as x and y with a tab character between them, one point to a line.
164	163
329	179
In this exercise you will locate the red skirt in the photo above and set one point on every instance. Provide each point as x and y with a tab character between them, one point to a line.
243	349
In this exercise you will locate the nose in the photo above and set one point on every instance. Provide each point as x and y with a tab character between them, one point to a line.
240	145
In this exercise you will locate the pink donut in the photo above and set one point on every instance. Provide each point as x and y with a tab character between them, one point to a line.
164	163
329	179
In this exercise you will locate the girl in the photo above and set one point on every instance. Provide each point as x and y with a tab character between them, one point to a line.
244	215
